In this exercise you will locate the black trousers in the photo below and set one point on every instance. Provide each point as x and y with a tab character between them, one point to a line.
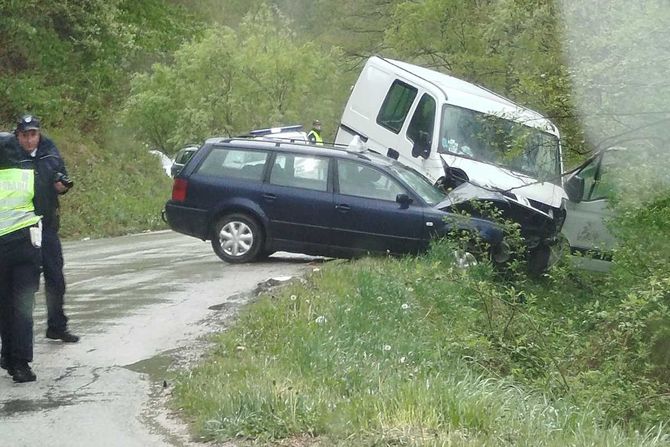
19	280
54	280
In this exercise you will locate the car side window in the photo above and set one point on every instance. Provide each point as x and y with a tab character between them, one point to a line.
300	171
357	179
396	105
234	163
184	155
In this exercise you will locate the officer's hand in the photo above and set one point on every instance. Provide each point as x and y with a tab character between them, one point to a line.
60	187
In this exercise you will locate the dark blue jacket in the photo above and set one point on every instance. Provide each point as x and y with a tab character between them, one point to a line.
46	163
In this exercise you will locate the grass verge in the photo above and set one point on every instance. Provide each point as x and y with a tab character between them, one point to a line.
412	352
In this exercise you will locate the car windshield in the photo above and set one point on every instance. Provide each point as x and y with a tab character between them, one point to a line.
500	141
419	184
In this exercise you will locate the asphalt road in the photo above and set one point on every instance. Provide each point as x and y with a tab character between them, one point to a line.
142	305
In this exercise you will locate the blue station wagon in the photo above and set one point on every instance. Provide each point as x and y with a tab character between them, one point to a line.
253	197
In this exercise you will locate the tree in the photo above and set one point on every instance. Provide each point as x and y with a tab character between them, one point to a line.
232	81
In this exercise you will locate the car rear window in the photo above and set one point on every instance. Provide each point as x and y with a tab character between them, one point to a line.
234	163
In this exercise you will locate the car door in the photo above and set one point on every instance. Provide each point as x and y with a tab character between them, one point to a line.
367	216
585	225
298	201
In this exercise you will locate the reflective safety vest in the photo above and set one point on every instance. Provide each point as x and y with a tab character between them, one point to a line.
316	135
17	188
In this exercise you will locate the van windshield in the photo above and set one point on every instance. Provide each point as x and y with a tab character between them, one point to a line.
500	141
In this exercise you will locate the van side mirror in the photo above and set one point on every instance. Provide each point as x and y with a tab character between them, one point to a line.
392	153
421	147
403	199
574	188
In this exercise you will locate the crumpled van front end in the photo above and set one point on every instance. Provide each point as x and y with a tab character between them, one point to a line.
539	230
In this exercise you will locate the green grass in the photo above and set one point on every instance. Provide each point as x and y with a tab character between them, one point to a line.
119	187
409	352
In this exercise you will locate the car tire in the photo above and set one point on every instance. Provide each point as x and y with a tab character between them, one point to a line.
538	260
237	238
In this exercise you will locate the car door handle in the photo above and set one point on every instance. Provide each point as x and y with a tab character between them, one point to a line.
270	197
343	208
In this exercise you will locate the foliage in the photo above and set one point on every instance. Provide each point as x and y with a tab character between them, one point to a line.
102	202
618	72
68	61
230	82
419	352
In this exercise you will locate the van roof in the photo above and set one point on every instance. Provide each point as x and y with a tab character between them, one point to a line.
460	93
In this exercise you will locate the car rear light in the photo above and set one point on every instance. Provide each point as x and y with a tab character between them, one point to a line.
179	189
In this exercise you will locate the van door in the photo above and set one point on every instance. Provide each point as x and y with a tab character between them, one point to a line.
585	225
411	139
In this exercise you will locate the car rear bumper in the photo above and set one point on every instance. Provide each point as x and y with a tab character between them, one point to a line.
187	220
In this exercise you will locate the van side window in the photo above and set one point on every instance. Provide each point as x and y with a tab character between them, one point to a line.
300	171
421	127
396	105
234	163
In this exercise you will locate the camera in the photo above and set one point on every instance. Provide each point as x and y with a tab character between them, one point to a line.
64	179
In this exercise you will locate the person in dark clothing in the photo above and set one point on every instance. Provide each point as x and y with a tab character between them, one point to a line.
51	180
19	262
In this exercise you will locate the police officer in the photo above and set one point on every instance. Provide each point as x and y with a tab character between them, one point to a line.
314	135
19	262
51	180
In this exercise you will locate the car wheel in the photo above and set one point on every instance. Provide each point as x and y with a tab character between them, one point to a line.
237	238
538	260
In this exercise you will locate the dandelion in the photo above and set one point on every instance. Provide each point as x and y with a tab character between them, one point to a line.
387	347
402	359
320	320
240	348
380	299
410	289
405	306
293	297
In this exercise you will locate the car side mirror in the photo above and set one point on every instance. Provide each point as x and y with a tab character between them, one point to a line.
403	199
421	147
574	188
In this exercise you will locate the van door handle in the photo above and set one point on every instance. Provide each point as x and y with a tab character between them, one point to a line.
270	197
343	208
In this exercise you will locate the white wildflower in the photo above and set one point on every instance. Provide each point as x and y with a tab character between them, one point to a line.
320	320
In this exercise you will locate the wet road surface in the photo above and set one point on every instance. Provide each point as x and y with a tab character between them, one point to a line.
142	305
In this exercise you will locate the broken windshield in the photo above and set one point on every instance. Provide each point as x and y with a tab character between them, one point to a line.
500	141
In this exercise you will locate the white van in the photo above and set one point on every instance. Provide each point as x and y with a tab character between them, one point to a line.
454	132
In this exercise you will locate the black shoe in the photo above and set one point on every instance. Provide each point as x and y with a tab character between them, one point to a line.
5	363
23	373
64	335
